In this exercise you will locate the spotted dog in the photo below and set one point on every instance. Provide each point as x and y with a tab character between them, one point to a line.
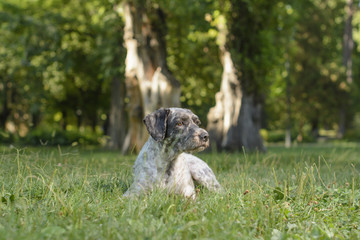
165	160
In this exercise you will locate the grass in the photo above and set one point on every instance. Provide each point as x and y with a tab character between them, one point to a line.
306	192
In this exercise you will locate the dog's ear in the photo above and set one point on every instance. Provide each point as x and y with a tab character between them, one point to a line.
156	123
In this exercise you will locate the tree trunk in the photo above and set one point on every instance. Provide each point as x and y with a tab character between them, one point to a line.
226	112
288	107
348	41
234	122
5	110
315	128
35	119
149	83
348	45
64	120
79	118
117	121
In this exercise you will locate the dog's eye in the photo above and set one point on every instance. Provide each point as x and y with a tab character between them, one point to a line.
179	124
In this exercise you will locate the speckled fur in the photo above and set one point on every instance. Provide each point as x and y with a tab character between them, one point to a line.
166	162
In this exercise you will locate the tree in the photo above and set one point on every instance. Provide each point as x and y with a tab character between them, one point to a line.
64	55
112	53
319	88
348	45
149	83
246	53
117	118
226	112
20	100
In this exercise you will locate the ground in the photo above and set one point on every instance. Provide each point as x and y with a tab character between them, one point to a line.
308	191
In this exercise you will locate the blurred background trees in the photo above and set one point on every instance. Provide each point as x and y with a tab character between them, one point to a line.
64	78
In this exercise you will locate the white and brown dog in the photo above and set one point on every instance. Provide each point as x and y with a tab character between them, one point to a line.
165	160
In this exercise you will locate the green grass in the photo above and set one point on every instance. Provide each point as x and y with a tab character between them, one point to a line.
304	192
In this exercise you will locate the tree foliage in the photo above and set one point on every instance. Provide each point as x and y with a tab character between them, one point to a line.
58	58
64	54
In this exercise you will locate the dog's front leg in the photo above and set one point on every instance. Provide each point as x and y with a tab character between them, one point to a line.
179	179
202	173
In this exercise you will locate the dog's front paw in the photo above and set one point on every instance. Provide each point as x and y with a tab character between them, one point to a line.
189	192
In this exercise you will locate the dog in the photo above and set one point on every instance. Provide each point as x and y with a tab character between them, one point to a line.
165	161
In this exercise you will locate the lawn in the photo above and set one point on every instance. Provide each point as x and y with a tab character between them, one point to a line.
309	191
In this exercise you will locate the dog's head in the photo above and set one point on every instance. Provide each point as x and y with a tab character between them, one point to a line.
178	128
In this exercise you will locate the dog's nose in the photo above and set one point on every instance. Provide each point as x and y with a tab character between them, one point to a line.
204	136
